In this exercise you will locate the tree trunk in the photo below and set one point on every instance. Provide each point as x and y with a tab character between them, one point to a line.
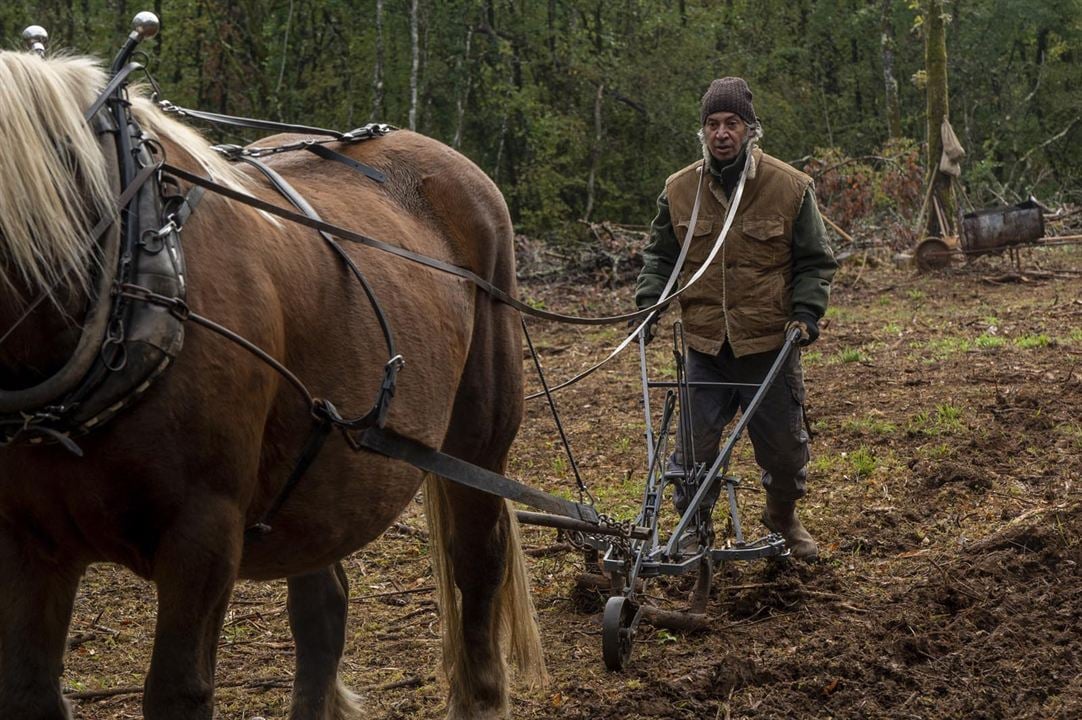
70	19
894	110
415	64
940	218
282	64
464	95
595	153
377	72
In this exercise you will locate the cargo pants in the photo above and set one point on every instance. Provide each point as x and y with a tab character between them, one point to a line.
776	430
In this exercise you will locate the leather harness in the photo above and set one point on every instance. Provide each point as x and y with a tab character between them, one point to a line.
148	309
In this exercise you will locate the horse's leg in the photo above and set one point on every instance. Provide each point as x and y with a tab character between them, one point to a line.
36	598
477	542
195	567
318	604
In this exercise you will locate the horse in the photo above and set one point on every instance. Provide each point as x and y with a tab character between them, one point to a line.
169	486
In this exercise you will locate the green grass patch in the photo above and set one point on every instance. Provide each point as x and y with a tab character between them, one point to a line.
828	465
851	355
987	342
945	347
862	462
915	294
948	415
1073	433
813	358
1076	335
943	420
939	451
1028	342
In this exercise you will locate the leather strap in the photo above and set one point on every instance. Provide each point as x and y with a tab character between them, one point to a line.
238	121
119	79
307	456
379	410
399	447
180	309
327	154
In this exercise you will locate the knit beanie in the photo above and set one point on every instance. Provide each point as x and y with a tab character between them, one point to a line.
728	94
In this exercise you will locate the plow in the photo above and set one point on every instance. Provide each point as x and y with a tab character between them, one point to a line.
623	558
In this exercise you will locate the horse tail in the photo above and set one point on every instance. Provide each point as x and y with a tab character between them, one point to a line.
346	704
517	611
515	615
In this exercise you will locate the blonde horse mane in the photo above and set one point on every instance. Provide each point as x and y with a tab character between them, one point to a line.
56	181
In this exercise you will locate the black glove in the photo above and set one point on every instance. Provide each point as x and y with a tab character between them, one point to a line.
647	332
808	324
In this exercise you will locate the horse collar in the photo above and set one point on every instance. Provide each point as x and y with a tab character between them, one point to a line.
138	342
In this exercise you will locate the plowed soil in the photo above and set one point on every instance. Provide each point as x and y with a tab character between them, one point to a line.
945	492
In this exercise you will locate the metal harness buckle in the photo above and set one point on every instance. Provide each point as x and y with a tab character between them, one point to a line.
153	241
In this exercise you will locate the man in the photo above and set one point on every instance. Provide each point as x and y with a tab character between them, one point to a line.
772	273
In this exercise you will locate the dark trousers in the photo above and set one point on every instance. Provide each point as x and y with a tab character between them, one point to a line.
776	429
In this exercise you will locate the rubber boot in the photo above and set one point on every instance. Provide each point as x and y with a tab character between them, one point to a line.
780	516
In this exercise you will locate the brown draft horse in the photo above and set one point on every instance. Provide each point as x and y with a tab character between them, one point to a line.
169	486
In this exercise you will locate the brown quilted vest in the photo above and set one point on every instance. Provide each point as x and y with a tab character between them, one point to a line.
746	293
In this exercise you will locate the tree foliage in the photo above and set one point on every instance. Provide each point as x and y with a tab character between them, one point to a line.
571	104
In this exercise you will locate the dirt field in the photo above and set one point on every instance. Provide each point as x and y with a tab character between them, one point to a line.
945	491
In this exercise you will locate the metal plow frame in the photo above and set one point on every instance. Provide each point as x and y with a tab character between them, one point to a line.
645	552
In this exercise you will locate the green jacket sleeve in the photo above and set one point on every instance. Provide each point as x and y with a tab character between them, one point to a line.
659	257
813	260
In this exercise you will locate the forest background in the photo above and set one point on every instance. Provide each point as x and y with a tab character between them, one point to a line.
579	109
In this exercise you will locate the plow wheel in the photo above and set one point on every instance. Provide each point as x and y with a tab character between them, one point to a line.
617	632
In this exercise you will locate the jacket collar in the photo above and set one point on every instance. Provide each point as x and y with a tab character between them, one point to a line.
723	179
